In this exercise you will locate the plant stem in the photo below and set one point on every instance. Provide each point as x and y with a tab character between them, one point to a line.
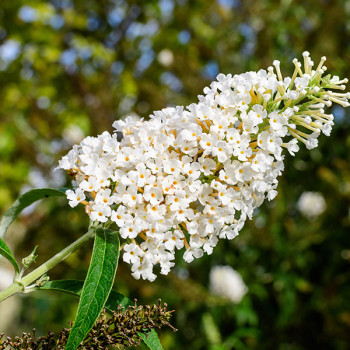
19	286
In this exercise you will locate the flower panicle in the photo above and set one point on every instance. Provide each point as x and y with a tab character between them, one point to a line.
192	175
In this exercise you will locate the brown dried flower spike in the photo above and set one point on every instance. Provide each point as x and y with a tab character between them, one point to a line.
125	327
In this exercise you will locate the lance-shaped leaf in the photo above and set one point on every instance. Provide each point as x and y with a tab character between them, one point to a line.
115	299
75	287
97	285
6	252
152	340
24	201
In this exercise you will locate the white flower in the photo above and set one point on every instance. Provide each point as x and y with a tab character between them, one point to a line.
144	270
92	184
121	216
192	169
208	142
129	230
311	204
132	197
173	239
207	165
192	253
100	212
225	282
261	161
68	162
140	176
104	197
301	83
153	194
132	253
75	197
156	212
292	146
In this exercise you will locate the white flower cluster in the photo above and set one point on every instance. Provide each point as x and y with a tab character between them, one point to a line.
189	176
226	282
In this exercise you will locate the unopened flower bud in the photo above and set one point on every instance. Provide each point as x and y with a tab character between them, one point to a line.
27	261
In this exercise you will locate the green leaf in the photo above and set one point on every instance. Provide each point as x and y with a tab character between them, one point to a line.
97	285
115	299
6	252
75	287
24	201
152	340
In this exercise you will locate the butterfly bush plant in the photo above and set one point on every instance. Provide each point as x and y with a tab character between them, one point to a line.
183	179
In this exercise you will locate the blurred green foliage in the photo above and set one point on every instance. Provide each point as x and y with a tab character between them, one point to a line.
69	68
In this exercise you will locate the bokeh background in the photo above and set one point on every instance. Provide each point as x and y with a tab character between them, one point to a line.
69	68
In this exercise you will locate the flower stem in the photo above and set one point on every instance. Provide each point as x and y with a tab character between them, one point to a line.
18	286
